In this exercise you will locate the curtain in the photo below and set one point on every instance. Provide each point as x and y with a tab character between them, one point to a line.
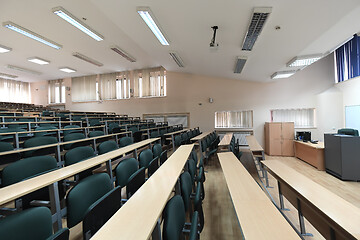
303	118
56	93
108	86
347	60
234	119
14	91
123	85
84	88
150	82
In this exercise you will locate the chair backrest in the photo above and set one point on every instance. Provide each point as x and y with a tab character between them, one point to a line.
163	157
177	140
186	187
94	122
348	131
107	146
96	133
133	129
136	180
5	146
194	156
39	141
125	141
153	166
100	212
78	154
41	134
67	132
154	134
137	136
192	169
72	137
84	194
174	218
157	150
30	224
124	170
27	167
113	126
145	158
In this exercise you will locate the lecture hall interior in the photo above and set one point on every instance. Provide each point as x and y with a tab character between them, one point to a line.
170	120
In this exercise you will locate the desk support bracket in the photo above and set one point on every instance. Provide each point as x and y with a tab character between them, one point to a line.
55	204
301	220
281	198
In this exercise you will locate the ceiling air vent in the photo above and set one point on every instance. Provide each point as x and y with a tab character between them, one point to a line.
177	59
258	19
87	59
123	53
240	63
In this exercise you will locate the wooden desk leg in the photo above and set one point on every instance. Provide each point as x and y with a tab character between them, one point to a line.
156	234
55	205
281	198
301	220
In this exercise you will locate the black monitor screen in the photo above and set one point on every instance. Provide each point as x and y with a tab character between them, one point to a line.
304	136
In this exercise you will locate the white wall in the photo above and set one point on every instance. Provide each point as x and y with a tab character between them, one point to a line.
312	87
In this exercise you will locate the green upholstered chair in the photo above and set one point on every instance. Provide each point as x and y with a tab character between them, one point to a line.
124	170
40	141
107	146
125	141
31	224
84	194
135	181
95	122
133	129
72	137
96	133
145	157
154	134
177	140
186	189
153	166
5	146
11	137
114	127
348	131
163	157
78	154
41	134
157	150
174	220
137	136
67	132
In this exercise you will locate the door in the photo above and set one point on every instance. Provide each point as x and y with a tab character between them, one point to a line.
275	139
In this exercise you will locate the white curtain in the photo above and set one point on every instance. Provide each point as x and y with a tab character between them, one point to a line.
123	85
14	91
84	88
302	118
150	82
234	119
56	91
108	86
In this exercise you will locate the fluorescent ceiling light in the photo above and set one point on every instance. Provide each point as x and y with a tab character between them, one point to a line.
4	49
23	69
61	12
278	75
5	75
123	53
177	59
67	69
31	34
240	63
38	60
148	17
87	59
257	22
303	61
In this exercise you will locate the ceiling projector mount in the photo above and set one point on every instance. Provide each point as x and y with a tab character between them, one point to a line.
213	43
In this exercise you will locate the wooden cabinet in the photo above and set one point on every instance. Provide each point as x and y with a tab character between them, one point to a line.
279	137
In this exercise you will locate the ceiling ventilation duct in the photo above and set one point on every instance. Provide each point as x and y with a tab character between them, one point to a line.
258	20
87	59
240	63
177	59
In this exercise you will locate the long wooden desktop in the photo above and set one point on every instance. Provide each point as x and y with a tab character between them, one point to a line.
257	215
330	214
226	141
311	153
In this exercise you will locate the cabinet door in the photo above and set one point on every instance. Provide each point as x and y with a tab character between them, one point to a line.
287	147
275	147
287	129
275	131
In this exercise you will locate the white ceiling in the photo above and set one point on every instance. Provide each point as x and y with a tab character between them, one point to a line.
307	27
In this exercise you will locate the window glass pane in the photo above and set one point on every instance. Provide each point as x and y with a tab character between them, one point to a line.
175	120
234	119
302	118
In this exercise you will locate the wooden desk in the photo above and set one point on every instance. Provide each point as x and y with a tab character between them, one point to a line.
330	214
172	134
258	155
311	153
225	141
19	189
198	139
257	216
146	205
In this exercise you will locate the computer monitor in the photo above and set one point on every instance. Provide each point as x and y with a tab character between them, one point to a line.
304	136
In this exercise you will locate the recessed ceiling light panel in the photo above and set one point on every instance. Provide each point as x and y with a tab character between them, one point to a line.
31	34
67	70
38	60
23	69
4	49
123	53
149	18
87	59
67	16
303	61
284	74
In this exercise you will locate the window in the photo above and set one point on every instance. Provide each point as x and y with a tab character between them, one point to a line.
85	89
56	92
14	91
171	118
122	86
150	83
234	119
302	118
